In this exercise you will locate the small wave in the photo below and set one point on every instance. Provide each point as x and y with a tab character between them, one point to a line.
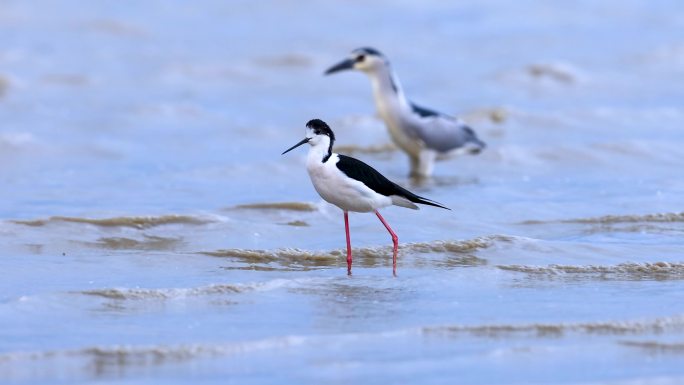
559	72
293	206
287	60
640	228
655	346
657	325
663	217
142	222
163	294
372	256
297	224
138	294
150	242
613	219
456	246
285	257
145	355
631	271
130	355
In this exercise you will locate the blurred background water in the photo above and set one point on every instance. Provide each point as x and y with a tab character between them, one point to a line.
152	233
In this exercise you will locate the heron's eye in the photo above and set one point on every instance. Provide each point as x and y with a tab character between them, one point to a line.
360	58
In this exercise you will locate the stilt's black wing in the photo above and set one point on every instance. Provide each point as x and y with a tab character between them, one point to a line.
377	182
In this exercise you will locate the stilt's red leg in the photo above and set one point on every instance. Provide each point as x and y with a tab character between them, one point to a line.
395	241
349	251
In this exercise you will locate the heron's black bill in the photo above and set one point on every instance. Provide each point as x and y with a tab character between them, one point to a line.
304	141
341	66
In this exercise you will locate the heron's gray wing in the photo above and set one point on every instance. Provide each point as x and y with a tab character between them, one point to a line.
424	112
440	132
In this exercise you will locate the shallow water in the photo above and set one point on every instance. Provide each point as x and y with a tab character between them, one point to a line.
152	233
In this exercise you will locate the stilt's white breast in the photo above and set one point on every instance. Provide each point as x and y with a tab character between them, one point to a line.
337	188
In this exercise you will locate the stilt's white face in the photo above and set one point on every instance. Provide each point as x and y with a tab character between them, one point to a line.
316	138
311	136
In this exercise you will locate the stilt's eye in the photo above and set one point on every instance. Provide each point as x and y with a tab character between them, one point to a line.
360	58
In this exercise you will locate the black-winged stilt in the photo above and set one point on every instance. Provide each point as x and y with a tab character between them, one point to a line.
352	185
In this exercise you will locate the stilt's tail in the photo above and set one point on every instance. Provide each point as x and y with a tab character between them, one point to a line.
406	194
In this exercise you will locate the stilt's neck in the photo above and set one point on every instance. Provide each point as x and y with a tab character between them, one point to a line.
321	150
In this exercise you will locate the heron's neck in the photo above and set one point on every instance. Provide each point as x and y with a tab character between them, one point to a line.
387	89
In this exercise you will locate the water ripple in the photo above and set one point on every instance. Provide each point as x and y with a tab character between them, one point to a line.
173	293
622	271
368	256
138	222
612	219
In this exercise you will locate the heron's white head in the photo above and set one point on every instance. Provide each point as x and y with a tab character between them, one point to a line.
366	60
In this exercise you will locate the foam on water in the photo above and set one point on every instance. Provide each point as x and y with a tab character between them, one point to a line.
369	256
614	219
623	271
658	325
164	294
149	242
656	346
141	355
132	355
138	222
291	206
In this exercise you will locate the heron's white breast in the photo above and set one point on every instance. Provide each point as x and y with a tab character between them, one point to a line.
394	115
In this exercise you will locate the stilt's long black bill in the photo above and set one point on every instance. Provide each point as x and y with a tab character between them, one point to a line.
305	140
341	66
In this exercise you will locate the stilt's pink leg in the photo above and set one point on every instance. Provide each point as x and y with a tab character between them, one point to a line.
349	251
395	241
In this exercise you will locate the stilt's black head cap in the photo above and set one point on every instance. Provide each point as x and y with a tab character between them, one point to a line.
320	127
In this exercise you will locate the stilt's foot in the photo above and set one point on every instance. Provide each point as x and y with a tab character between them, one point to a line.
394	266
395	252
